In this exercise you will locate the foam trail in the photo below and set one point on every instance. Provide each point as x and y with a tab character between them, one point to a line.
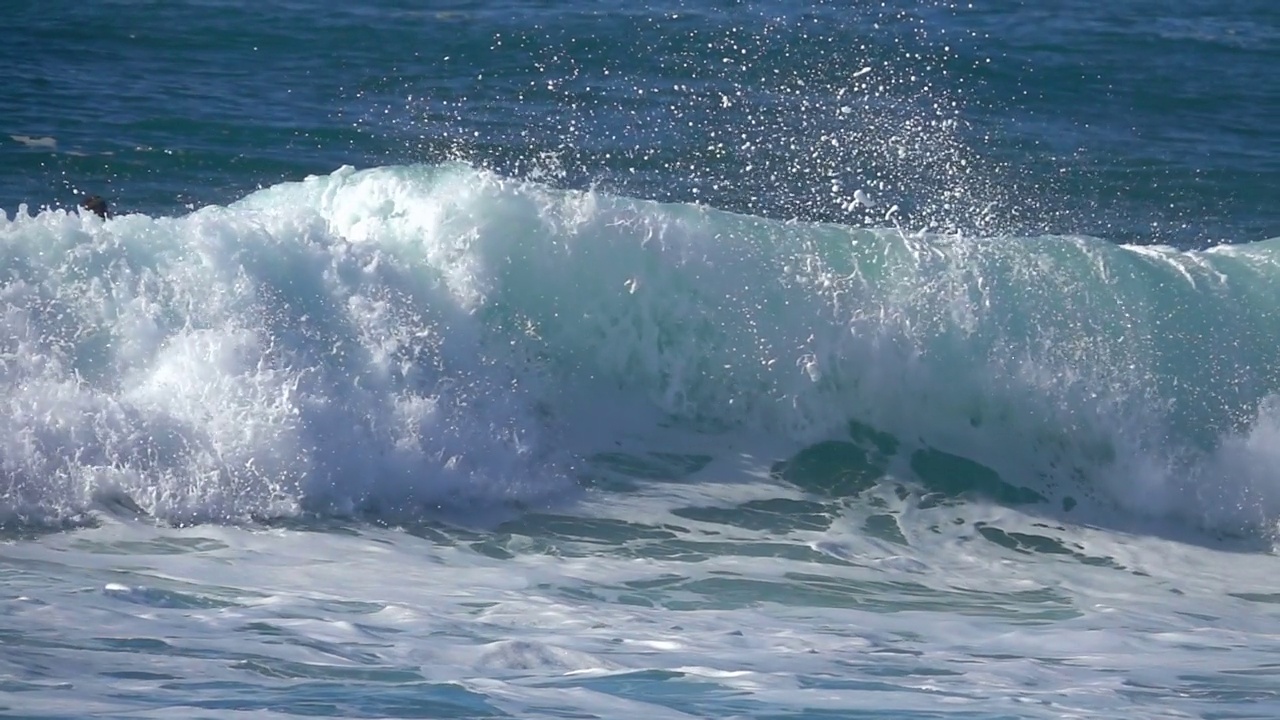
410	337
42	143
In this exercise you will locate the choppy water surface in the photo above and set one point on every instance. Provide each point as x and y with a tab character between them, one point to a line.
694	360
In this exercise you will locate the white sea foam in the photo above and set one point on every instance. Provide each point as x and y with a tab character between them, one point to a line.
409	340
43	143
249	621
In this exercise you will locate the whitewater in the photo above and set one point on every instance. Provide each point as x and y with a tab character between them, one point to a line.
431	441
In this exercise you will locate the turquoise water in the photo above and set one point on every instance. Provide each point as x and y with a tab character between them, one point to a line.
694	360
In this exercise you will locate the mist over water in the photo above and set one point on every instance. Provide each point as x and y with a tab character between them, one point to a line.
988	118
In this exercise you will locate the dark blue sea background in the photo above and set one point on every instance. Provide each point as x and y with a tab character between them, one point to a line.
1137	121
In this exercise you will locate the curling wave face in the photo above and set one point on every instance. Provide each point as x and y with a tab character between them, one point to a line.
406	338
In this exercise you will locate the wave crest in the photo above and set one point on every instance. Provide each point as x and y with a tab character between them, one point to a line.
416	337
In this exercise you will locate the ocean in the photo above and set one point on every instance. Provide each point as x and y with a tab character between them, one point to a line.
692	359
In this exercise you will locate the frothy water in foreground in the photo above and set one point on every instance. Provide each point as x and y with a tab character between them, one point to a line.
744	600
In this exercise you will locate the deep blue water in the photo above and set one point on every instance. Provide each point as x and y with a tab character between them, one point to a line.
1134	121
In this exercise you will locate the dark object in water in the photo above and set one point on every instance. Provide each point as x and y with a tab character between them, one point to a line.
96	204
